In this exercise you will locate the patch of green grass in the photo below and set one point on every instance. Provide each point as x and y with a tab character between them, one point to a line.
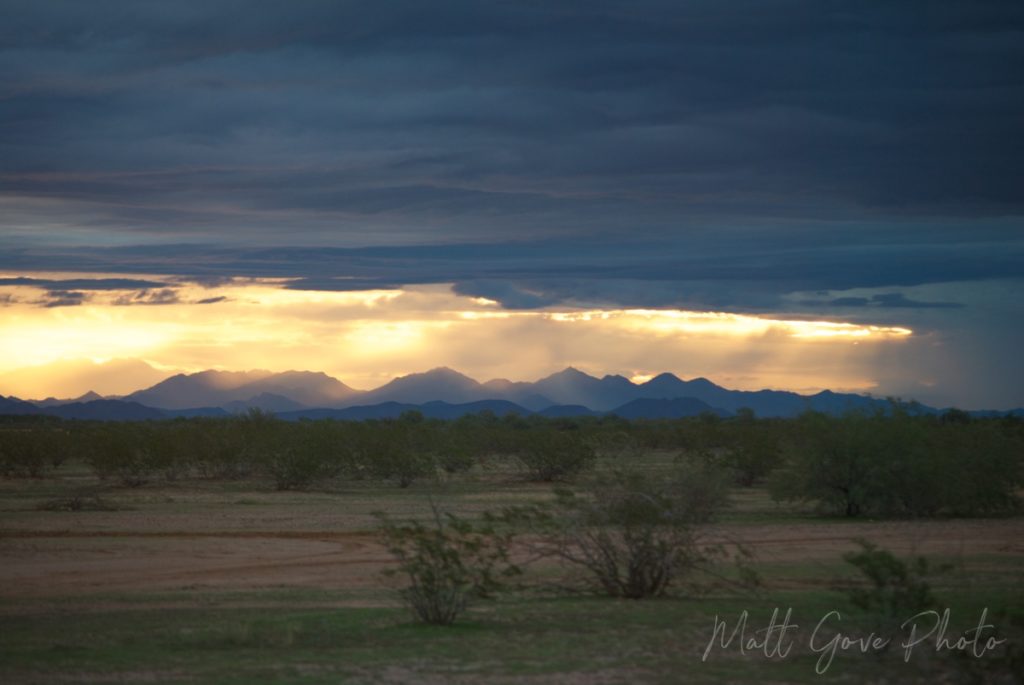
654	641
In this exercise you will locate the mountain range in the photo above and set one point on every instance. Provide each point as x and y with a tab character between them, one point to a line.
439	393
296	390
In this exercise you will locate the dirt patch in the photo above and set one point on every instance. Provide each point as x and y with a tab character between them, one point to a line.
195	536
814	541
52	564
61	563
241	534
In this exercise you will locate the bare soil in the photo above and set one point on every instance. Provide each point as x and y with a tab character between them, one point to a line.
124	552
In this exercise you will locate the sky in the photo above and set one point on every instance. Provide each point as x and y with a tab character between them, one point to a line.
788	194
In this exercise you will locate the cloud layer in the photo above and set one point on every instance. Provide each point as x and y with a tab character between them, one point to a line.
405	122
849	161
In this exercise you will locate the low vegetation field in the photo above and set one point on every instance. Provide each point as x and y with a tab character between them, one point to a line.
211	580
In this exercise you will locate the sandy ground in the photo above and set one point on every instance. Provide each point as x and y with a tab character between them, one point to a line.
947	538
55	565
118	552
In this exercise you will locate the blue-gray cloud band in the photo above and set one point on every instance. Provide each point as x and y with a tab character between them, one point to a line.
708	274
410	122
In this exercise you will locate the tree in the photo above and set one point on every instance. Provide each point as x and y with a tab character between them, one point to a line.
548	455
31	451
396	450
900	465
753	450
120	450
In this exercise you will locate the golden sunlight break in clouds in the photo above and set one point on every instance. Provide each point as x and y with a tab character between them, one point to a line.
365	338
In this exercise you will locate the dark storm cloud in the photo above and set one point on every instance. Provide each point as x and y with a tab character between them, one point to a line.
511	295
80	283
162	296
345	284
423	122
62	298
205	280
885	300
716	272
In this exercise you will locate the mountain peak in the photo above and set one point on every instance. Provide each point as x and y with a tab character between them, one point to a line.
221	380
443	372
665	377
441	383
569	373
572	386
440	374
302	374
217	388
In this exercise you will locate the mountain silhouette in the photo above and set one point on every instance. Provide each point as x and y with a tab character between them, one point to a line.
444	393
14	406
266	401
677	408
222	388
310	388
572	386
519	392
54	402
559	411
294	390
106	410
766	403
392	410
440	384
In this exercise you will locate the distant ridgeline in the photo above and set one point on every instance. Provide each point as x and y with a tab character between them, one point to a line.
444	394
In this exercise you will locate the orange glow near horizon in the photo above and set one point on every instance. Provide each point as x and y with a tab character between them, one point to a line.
367	337
672	322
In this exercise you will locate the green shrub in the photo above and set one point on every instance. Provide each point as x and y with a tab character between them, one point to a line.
753	450
890	590
548	455
121	451
220	448
31	452
446	564
396	451
900	465
456	451
632	534
894	588
294	455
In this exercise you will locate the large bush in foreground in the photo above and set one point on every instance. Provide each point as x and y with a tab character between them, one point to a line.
633	534
446	562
